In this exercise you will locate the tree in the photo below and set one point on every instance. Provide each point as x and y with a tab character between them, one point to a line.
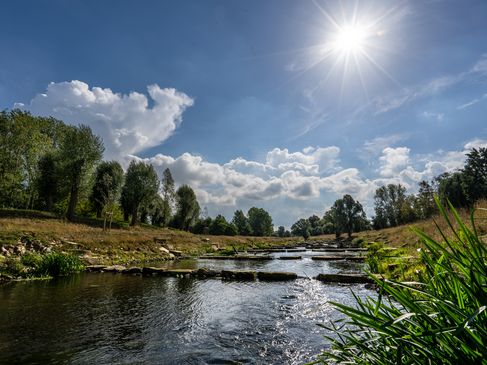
241	223
353	214
188	208
168	196
425	202
450	187
301	228
141	186
474	175
48	181
260	222
107	185
388	203
281	231
79	152
219	225
338	217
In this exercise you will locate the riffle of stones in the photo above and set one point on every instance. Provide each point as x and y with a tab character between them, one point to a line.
238	275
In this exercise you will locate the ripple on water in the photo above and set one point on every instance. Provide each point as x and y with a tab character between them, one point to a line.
105	318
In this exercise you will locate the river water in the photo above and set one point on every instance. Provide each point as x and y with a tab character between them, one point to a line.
124	319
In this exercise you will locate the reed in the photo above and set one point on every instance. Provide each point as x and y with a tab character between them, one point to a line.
439	319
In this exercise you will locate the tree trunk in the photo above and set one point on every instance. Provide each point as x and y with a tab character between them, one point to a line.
73	199
134	216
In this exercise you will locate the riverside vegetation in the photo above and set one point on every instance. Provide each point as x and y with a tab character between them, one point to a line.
63	207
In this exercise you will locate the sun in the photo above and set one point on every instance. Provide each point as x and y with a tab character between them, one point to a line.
349	39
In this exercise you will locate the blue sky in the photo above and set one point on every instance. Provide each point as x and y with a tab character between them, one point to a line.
258	103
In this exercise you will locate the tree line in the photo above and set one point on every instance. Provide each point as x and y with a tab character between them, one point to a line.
393	206
50	166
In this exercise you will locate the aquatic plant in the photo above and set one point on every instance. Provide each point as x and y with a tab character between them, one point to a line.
59	264
440	319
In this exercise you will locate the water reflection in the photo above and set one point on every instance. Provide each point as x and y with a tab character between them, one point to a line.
108	318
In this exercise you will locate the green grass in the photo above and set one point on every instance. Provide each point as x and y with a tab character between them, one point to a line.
440	319
35	265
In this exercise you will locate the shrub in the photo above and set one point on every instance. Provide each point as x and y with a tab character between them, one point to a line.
440	320
59	264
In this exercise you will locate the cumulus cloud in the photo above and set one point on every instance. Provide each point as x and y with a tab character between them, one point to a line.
291	184
128	123
393	160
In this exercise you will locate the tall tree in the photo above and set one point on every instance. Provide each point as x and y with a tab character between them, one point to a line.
281	231
188	208
475	175
353	214
141	185
48	181
338	217
168	195
451	188
79	152
242	223
301	228
107	185
425	202
388	203
260	222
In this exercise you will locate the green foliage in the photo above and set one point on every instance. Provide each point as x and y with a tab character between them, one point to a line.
301	228
58	264
281	231
80	150
106	187
169	197
188	208
388	203
242	224
474	182
260	222
141	186
440	320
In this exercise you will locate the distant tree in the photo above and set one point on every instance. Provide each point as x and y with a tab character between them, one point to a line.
425	202
260	222
188	208
241	223
281	231
388	204
231	230
79	152
337	217
409	209
202	226
219	225
287	233
169	197
474	175
451	188
107	185
48	181
353	214
141	186
301	228
155	209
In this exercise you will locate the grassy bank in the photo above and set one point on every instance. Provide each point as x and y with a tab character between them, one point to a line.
119	245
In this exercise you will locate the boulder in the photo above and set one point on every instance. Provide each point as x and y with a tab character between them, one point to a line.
153	271
132	270
238	275
276	276
207	273
344	278
114	268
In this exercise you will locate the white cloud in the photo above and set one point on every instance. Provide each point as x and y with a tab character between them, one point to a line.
432	115
471	102
127	123
290	184
432	87
393	160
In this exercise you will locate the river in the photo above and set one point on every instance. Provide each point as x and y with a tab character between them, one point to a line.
127	319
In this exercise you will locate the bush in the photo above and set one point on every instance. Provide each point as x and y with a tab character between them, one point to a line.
59	264
440	320
12	266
